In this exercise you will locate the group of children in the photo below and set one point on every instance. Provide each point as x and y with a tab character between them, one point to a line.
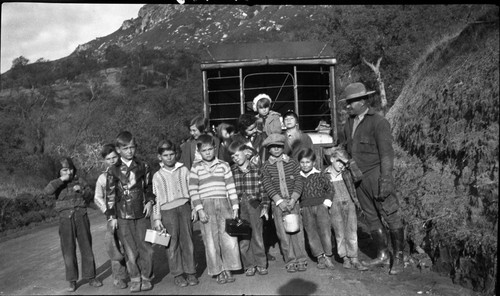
252	185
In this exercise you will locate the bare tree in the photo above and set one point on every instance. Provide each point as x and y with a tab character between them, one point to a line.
376	69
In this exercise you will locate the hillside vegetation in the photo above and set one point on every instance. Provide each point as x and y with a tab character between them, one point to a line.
446	123
439	65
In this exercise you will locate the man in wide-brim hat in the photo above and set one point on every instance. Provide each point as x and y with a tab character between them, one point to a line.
368	139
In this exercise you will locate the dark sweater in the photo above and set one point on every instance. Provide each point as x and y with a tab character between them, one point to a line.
317	188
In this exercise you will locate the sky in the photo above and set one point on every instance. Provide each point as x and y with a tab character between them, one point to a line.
54	30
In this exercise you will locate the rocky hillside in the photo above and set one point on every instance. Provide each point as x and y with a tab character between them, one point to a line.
195	26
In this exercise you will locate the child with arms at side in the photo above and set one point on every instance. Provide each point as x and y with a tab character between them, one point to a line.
172	212
114	247
129	202
343	172
315	203
254	205
213	196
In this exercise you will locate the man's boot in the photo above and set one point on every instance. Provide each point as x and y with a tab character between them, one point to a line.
397	238
380	239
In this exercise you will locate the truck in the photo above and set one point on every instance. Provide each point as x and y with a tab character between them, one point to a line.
298	76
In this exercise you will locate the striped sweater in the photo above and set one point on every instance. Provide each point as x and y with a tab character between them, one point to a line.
211	180
270	178
171	188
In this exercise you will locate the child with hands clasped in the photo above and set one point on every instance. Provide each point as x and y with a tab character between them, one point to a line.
315	203
213	196
172	212
343	173
283	183
129	202
72	198
254	205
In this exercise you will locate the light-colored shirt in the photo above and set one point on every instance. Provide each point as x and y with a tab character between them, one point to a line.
100	192
171	188
211	180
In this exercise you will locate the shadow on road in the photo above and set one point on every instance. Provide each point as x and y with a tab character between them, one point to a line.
298	286
102	272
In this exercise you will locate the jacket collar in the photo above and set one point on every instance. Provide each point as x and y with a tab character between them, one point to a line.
283	157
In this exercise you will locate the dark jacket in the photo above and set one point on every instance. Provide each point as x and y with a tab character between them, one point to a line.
128	189
67	199
371	146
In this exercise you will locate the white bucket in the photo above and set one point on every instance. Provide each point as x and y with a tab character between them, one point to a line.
291	222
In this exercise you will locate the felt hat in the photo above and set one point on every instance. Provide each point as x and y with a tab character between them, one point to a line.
355	91
274	139
257	98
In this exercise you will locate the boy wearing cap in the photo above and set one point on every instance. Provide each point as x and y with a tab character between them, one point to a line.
283	183
268	121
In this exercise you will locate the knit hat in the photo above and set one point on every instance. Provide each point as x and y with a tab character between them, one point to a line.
257	98
274	139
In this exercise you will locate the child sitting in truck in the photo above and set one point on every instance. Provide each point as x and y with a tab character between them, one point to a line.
268	121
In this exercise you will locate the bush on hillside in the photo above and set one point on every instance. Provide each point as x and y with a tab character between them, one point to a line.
448	180
24	210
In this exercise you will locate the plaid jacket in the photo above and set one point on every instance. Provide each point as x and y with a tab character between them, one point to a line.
248	183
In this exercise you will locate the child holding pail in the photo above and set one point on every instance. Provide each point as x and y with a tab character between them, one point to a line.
283	183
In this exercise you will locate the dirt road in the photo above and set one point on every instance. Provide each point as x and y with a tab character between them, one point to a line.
32	264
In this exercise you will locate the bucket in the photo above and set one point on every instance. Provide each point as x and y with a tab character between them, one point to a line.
291	222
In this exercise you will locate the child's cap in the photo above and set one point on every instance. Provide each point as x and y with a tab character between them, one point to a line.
274	139
257	98
291	113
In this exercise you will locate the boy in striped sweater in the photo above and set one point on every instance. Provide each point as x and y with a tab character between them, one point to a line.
172	212
213	196
283	183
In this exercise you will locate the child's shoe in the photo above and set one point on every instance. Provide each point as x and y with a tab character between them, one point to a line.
120	284
192	280
146	285
180	281
95	283
262	270
356	264
291	268
329	263
321	261
229	276
250	271
135	287
221	278
72	286
302	266
347	263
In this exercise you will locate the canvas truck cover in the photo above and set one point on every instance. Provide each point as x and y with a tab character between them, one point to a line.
255	54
